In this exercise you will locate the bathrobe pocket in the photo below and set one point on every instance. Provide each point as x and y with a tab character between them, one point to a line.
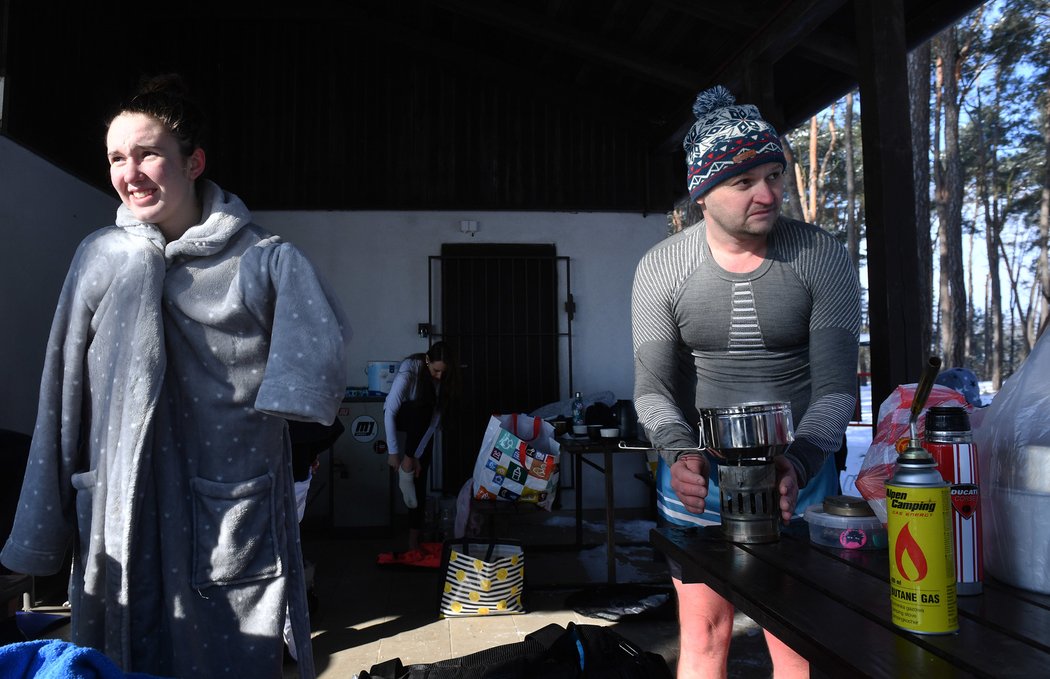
84	488
235	532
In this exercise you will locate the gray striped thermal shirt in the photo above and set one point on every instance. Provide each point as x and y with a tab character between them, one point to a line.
787	331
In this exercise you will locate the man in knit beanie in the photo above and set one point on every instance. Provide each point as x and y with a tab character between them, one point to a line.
744	306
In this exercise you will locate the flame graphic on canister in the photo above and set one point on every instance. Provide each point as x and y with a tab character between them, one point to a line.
906	544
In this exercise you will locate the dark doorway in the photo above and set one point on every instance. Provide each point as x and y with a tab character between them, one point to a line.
498	308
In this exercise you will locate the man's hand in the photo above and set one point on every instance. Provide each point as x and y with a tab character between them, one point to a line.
787	484
689	480
394	460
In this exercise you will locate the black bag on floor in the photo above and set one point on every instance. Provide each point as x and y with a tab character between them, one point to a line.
607	655
554	652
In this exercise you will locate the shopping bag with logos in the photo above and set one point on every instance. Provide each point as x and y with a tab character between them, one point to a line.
518	461
482	577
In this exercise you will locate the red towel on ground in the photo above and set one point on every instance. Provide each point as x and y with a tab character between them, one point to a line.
427	556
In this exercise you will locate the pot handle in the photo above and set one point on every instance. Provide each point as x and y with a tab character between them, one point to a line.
623	446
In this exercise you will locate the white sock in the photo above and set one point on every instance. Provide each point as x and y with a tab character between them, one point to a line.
406	481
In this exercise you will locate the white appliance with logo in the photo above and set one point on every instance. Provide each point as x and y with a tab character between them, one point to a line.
360	489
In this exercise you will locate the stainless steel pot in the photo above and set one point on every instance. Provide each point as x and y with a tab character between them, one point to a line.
747	431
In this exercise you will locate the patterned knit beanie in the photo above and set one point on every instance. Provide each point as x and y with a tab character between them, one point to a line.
726	140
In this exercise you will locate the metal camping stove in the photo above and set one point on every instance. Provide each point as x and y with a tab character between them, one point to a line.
745	438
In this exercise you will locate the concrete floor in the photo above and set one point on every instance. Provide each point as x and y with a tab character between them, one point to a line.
368	614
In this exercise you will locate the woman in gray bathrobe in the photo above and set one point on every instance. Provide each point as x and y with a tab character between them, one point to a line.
185	337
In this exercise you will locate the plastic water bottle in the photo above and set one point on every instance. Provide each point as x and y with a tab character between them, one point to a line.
577	409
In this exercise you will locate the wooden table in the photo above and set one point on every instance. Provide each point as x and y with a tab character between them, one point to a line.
608	448
833	607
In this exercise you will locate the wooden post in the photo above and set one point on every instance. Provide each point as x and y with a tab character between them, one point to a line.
893	303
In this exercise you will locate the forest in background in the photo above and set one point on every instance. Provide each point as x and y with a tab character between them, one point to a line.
981	120
980	115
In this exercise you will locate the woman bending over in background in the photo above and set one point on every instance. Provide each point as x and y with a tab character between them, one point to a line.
424	386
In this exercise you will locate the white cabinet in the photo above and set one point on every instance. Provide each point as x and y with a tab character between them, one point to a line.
352	487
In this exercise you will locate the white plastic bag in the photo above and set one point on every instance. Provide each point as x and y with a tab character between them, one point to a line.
1012	436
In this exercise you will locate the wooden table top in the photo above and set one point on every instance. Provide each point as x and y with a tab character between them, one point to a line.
833	607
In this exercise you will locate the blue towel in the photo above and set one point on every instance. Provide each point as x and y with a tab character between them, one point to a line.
57	659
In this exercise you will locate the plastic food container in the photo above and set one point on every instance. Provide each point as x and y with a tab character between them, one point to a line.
845	522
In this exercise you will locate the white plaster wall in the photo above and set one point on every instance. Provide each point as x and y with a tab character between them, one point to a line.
377	262
44	214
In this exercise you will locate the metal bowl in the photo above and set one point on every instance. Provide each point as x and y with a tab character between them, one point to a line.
748	430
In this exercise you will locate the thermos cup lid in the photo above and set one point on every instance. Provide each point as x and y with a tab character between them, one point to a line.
847	505
947	418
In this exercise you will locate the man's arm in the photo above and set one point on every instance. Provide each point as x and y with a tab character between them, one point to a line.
834	326
660	373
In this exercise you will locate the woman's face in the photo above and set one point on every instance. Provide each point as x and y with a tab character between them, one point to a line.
437	369
150	174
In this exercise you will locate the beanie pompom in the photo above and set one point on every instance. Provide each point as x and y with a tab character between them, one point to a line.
711	99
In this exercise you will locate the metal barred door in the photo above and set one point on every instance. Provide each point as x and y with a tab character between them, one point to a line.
498	306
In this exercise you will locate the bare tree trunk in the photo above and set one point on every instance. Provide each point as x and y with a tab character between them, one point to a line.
811	198
949	209
969	298
1032	329
986	335
1043	269
988	190
993	242
935	145
829	153
1014	278
994	317
809	184
852	226
919	96
793	205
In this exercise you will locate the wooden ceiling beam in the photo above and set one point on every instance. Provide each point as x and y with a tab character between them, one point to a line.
539	28
930	18
830	50
473	63
741	18
780	33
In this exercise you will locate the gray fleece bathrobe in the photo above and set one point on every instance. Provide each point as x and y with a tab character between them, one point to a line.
161	450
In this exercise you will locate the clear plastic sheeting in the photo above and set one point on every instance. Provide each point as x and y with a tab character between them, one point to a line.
1012	436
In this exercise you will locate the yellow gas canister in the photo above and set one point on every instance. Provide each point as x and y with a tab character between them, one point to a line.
922	568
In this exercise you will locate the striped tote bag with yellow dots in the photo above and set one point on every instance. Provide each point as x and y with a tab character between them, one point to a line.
482	577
